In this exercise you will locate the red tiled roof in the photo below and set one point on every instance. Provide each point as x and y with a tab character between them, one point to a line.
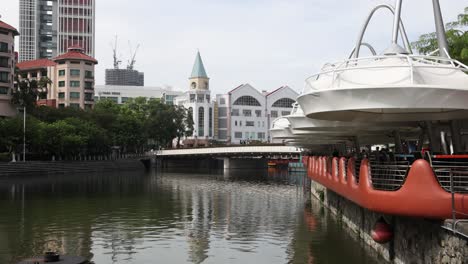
35	64
76	55
8	27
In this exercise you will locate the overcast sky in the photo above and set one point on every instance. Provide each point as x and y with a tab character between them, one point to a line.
267	43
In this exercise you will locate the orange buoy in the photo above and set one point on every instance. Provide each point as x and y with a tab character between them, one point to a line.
382	231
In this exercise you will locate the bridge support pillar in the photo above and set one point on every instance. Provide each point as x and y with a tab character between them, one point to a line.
245	163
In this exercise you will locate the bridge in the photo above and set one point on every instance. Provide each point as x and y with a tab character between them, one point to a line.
231	157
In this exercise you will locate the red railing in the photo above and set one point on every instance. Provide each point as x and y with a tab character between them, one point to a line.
418	193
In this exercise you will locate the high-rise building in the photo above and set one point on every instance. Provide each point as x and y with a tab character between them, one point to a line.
49	27
125	77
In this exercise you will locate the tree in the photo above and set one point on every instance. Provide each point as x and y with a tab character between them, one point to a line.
457	38
26	92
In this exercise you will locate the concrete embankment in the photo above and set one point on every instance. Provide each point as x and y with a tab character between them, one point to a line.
416	241
62	167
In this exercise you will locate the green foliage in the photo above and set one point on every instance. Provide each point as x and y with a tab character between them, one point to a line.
457	38
26	92
133	127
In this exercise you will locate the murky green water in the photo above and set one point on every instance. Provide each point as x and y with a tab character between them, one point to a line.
241	217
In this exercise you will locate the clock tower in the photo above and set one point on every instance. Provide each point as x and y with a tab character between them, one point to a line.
198	79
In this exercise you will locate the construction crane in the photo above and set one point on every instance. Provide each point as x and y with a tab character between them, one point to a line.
114	49
132	61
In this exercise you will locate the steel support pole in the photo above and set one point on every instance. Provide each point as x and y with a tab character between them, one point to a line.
24	134
440	30
396	21
456	137
398	145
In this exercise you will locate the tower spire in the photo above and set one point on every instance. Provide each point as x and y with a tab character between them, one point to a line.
198	70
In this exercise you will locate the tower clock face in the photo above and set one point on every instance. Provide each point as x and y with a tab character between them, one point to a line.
194	85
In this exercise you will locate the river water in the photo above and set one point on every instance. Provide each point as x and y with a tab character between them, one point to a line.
167	217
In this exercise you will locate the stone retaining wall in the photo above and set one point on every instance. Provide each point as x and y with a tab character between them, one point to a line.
416	241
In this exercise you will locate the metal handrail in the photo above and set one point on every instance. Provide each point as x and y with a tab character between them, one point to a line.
388	176
350	64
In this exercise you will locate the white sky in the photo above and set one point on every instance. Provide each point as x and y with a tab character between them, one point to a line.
267	43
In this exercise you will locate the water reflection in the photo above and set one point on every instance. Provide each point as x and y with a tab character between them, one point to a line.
170	217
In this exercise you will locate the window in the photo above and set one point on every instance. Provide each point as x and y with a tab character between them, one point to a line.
74	95
192	97
75	62
235	112
61	106
222	134
76	106
89	74
4	62
284	103
4	77
113	99
3	47
285	113
249	123
74	83
61	72
240	123
61	83
222	123
261	135
258	113
194	85
247	100
235	123
207	97
88	96
3	90
43	73
88	106
61	95
200	98
237	134
210	122
274	113
88	85
246	112
201	121
124	100
222	101
34	74
24	75
222	111
74	72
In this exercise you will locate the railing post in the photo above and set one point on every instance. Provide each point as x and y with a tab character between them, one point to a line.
453	201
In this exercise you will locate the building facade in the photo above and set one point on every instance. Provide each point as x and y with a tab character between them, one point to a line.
7	68
125	77
49	27
121	94
71	75
199	104
245	114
